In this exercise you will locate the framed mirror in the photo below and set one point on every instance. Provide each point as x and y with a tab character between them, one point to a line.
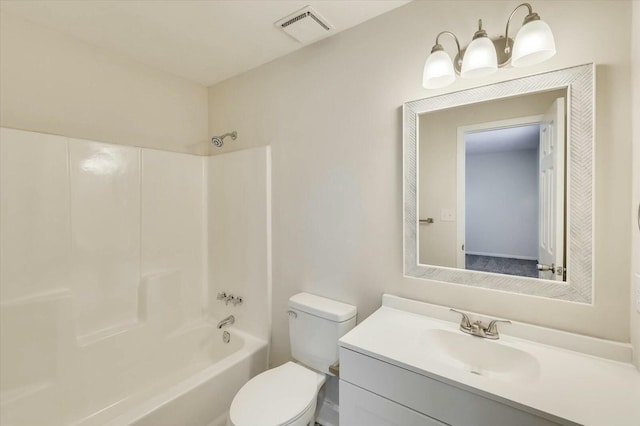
498	185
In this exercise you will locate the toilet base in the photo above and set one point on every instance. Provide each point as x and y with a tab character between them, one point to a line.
307	419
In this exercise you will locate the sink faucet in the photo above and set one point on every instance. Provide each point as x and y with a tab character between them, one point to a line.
478	329
227	321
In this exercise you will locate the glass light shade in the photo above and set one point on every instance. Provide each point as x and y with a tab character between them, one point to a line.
534	43
480	59
438	70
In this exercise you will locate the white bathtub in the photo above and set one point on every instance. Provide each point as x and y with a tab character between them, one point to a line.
187	378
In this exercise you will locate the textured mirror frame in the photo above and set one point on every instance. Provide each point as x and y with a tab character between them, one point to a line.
580	84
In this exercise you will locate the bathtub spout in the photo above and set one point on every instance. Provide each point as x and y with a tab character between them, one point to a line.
227	321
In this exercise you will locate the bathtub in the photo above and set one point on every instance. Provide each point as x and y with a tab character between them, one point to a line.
188	377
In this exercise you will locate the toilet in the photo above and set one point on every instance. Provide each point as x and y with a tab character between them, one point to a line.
287	395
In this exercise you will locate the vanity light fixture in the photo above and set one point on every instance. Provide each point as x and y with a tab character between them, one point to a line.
533	44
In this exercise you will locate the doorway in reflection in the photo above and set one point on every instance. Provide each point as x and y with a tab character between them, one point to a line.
511	195
501	200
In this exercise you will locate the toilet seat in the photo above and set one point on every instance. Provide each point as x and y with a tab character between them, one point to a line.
276	397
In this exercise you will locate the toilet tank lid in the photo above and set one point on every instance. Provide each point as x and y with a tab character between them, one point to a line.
322	307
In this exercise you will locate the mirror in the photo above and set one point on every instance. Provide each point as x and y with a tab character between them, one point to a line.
492	185
498	185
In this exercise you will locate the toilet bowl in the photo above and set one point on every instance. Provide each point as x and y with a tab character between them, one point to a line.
288	395
285	395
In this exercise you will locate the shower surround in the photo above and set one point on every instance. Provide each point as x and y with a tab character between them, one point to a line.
105	281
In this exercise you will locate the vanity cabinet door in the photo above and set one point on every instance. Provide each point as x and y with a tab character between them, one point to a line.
431	398
359	407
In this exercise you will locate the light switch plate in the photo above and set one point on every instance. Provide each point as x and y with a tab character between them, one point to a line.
448	215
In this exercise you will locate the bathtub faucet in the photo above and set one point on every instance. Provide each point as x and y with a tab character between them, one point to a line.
227	321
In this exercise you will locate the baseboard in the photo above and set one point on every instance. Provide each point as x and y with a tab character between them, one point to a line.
505	256
329	414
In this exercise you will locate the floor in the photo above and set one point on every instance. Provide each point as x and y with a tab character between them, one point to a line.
502	265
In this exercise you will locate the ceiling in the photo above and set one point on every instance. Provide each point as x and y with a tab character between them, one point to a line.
206	41
501	140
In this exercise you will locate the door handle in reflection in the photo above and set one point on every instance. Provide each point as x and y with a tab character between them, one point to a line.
558	270
427	220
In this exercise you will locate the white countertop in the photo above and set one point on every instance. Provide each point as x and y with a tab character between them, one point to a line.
570	385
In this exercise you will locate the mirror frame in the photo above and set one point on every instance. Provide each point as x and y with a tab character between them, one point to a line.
579	81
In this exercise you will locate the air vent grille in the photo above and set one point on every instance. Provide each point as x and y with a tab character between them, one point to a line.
305	25
305	15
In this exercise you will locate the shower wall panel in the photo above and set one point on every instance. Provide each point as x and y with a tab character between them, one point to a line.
35	230
239	187
97	242
173	223
105	234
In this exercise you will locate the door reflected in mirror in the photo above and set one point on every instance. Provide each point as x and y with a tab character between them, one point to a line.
491	179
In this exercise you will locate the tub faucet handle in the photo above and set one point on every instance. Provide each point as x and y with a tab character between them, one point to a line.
221	296
236	300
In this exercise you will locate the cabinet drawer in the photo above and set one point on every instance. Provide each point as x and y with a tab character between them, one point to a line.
433	398
359	407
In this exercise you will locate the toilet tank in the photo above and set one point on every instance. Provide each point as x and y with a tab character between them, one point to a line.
315	325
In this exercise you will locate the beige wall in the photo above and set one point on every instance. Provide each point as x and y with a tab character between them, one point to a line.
332	114
438	163
635	287
53	83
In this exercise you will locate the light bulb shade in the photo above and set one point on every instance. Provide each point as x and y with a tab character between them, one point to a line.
480	59
534	43
438	70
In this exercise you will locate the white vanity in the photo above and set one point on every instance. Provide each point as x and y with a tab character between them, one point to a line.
408	364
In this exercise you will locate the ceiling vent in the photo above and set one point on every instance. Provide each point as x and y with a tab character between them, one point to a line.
305	25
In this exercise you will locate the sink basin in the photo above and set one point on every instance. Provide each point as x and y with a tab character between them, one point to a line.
480	356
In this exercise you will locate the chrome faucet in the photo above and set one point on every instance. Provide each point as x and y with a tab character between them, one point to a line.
478	329
227	321
226	298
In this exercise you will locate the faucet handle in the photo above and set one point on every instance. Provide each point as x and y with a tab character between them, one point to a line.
221	296
465	323
492	328
236	300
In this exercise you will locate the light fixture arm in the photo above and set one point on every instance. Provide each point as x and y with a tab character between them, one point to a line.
531	16
436	47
